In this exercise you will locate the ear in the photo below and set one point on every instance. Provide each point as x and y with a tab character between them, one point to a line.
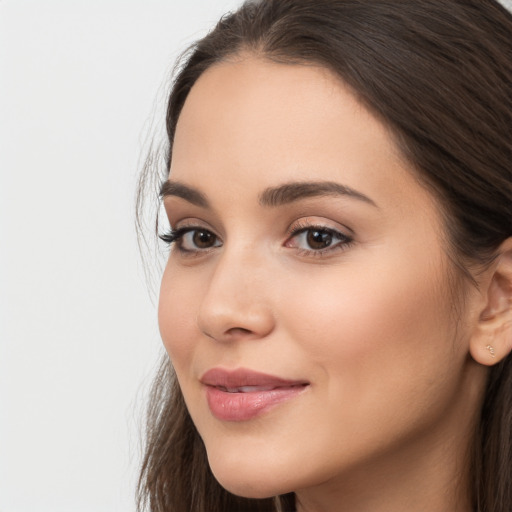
491	340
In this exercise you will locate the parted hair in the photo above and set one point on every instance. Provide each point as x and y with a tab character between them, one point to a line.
438	73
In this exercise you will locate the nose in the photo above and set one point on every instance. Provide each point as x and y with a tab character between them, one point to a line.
236	302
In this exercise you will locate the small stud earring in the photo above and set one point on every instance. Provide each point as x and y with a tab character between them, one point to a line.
490	348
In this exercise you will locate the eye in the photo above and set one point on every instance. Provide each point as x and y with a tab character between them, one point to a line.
198	239
192	239
317	239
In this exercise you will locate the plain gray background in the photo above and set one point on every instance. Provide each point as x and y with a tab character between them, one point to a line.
82	82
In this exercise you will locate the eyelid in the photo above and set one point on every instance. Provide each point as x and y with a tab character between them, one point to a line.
319	223
192	223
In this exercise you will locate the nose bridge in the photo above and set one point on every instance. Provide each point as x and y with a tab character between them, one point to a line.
236	302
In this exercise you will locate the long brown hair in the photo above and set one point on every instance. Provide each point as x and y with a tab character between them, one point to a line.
438	73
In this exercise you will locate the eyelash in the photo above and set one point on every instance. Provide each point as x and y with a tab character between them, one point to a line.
175	236
172	235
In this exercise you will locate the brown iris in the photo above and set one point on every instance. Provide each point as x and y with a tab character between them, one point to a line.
317	239
203	239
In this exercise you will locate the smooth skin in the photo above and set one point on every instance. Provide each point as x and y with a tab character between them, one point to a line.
352	294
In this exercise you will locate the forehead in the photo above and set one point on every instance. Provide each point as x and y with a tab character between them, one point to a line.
251	123
259	103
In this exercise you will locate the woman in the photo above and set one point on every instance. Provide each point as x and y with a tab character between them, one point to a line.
337	303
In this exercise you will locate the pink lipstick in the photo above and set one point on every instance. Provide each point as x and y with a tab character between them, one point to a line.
242	394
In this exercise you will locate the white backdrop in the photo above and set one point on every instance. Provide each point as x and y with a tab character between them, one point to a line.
78	334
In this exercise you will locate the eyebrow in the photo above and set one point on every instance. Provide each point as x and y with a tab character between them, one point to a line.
290	192
272	196
192	195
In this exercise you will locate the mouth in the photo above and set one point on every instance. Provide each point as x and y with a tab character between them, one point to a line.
242	394
253	389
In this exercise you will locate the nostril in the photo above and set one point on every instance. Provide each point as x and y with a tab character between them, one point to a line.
238	330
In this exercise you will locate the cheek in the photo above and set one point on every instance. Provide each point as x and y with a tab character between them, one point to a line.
379	336
364	310
176	316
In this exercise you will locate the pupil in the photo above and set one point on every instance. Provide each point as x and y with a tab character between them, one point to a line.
203	239
319	239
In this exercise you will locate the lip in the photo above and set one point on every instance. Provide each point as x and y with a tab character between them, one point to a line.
243	394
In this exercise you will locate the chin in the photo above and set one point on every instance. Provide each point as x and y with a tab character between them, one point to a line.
246	490
248	482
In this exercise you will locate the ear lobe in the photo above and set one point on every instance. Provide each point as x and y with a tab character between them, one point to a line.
491	341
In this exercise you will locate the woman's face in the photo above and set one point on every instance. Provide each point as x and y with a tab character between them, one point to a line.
306	303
